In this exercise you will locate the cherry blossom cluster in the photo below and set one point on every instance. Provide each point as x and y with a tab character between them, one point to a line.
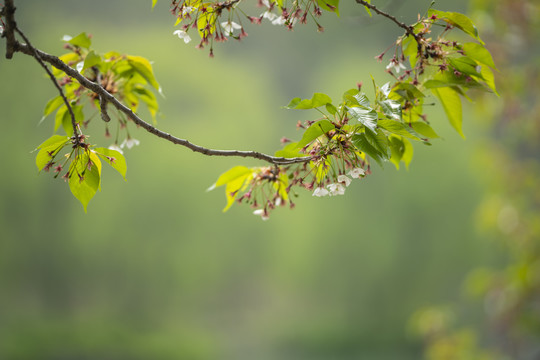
219	21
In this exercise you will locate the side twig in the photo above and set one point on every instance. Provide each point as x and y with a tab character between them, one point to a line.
35	54
408	29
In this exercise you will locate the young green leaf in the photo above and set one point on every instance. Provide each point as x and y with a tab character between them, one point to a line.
366	116
363	144
451	103
397	128
231	175
317	100
144	68
82	40
458	20
479	53
397	148
84	180
92	59
52	105
314	131
424	129
330	5
113	158
48	149
291	150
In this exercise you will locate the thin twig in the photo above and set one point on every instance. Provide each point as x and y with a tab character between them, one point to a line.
407	28
101	92
36	55
103	106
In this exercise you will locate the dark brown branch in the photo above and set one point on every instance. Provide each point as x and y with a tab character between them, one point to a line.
408	29
53	79
8	12
103	107
107	97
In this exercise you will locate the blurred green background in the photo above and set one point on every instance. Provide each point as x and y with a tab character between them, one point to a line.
155	270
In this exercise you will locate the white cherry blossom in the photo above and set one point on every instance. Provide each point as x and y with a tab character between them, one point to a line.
344	179
129	143
319	192
262	213
229	27
356	173
336	189
183	35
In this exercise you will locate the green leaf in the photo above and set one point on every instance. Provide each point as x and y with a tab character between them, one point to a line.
314	131
410	50
48	149
231	175
391	109
82	40
291	150
53	140
281	185
94	158
366	116
113	158
144	68
397	148
351	93
92	59
84	180
465	65
154	2
424	129
363	144
52	105
379	141
489	78
407	153
330	5
317	100
396	127
479	53
458	20
451	103
149	99
331	109
405	90
235	180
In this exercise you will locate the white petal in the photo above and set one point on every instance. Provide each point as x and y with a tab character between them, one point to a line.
279	21
270	16
336	189
356	173
116	148
319	192
344	179
262	214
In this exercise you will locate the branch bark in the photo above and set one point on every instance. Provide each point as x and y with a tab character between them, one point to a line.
408	29
105	97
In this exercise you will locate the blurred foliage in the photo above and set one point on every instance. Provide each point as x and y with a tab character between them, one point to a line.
509	214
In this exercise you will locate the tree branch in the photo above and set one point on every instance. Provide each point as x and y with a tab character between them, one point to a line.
408	29
51	76
8	12
105	97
